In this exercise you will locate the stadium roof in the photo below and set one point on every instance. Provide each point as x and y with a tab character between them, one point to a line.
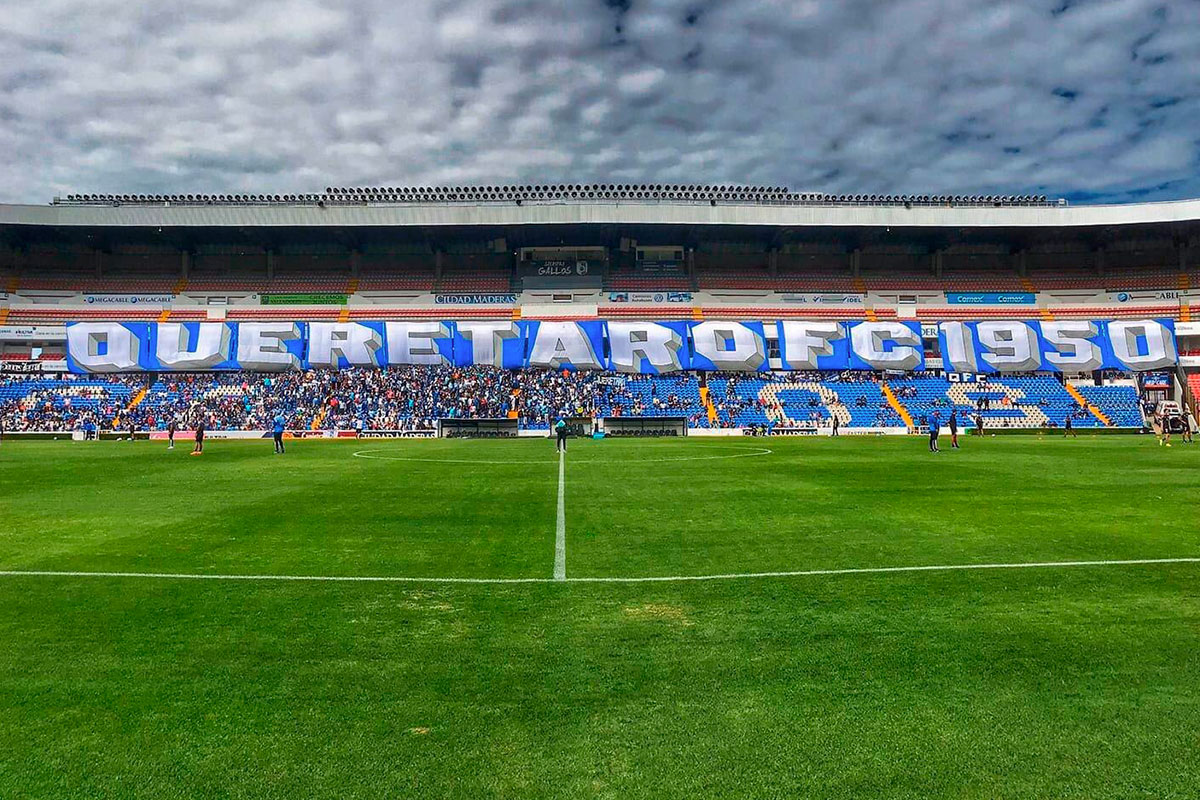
864	211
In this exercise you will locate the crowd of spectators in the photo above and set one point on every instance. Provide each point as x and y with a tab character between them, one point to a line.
401	398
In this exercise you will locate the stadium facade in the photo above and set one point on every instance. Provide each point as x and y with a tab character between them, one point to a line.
606	253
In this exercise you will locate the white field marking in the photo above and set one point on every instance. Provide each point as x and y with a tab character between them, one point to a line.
748	453
560	525
656	579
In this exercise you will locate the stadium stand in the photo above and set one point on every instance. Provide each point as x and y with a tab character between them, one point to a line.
63	404
1119	404
401	396
476	275
624	279
652	396
1013	402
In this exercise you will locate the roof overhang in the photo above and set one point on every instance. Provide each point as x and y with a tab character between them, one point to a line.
594	213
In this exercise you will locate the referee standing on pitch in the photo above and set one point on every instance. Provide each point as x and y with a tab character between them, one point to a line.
560	430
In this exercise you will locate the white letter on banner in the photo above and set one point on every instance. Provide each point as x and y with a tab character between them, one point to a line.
487	340
746	355
262	346
1011	346
959	352
1073	349
867	339
631	342
413	342
212	345
85	340
560	343
329	342
1160	344
805	342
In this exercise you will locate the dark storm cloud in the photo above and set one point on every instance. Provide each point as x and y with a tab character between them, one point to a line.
1085	99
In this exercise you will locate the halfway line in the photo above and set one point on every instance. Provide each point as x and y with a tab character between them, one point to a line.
660	579
560	525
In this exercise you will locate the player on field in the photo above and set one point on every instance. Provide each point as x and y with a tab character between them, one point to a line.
171	434
1164	426
1069	427
199	448
934	425
279	425
954	429
837	423
1189	424
560	431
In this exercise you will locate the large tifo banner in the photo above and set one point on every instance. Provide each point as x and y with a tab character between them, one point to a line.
624	346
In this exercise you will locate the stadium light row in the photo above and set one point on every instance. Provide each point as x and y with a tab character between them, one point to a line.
688	193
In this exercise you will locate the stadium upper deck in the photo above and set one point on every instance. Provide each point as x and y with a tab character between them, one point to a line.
594	250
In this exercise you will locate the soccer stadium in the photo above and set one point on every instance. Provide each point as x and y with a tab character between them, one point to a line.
599	490
614	399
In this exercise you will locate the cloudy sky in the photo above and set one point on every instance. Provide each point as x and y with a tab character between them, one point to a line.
1087	99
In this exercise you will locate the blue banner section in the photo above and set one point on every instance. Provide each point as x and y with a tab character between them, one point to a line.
107	347
1073	346
728	346
566	345
814	345
991	298
192	345
891	345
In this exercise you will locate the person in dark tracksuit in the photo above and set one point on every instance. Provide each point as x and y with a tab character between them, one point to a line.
934	426
171	434
199	448
954	429
1069	427
836	424
560	431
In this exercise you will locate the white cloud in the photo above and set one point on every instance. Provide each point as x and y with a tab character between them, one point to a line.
1089	98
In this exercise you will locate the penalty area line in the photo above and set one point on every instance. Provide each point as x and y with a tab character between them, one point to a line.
199	576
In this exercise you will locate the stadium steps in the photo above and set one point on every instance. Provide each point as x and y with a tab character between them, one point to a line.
137	399
1096	412
859	285
165	315
13	283
1045	314
352	286
709	408
1028	285
180	285
3	315
896	405
344	314
1184	283
1185	311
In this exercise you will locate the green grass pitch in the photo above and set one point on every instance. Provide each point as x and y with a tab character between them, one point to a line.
1033	682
